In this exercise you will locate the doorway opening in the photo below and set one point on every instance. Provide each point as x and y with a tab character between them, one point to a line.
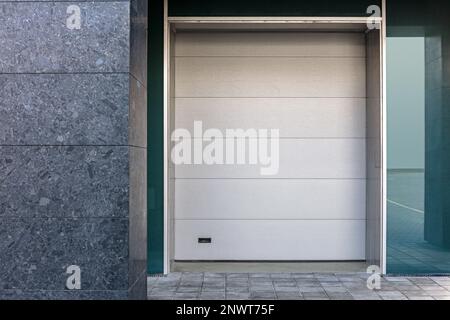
318	82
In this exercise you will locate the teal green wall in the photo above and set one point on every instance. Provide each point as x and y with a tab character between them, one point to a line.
155	122
356	8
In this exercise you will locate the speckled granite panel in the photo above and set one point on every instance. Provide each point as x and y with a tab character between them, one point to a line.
64	109
138	40
37	251
64	295
138	153
65	0
138	290
64	181
73	149
138	114
138	213
34	37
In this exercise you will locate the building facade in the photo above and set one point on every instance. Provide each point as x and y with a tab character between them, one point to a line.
96	97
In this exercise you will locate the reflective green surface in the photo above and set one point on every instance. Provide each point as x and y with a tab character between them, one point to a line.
155	121
418	107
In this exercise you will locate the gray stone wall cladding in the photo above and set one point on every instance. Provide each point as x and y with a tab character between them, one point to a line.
73	149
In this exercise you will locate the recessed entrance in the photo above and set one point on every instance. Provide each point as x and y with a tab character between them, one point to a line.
320	85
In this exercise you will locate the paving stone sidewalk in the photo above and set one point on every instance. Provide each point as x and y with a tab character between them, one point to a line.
293	286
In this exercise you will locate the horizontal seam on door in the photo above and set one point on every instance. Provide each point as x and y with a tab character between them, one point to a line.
230	219
338	179
182	97
283	138
275	56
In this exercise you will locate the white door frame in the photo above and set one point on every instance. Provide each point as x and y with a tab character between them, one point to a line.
260	23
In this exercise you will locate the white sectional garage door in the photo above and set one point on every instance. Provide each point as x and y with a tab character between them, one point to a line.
312	87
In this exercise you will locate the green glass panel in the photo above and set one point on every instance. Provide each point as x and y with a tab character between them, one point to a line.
418	116
155	121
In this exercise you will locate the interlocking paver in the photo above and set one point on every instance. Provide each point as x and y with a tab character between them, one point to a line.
237	290
238	296
287	289
302	275
185	296
440	293
290	298
281	275
340	296
188	289
340	289
293	286
315	296
420	298
212	296
262	295
259	275
366	297
317	289
152	297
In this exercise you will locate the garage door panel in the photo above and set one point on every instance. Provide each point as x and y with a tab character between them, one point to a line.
310	86
271	240
269	77
295	117
270	44
298	158
270	199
